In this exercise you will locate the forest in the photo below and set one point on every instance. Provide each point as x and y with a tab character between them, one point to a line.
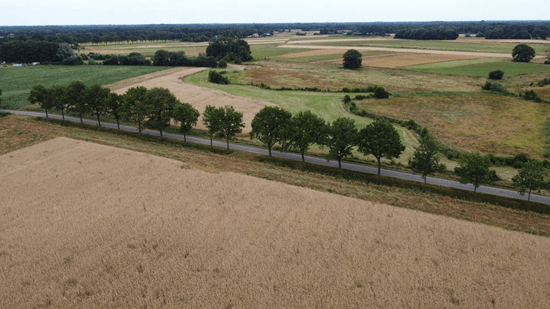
98	34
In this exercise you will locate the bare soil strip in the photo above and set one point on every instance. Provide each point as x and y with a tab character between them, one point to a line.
197	96
112	228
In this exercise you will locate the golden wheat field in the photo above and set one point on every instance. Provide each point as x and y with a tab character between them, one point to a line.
91	226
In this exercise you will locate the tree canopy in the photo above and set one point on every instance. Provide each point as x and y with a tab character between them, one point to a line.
231	122
187	116
474	169
530	178
341	138
306	128
269	126
159	104
523	53
381	140
425	160
352	59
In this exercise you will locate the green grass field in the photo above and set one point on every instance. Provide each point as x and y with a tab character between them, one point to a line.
262	51
480	69
325	105
459	45
16	82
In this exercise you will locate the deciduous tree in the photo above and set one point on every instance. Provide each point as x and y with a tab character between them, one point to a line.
305	129
269	126
425	160
381	140
523	53
39	94
231	122
134	106
114	105
352	59
341	138
76	91
96	96
159	103
211	117
530	178
187	115
474	169
58	97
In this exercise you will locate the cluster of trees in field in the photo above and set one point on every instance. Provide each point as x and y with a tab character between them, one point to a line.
426	34
229	49
38	51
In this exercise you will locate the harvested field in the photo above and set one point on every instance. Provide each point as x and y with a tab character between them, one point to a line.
199	97
404	59
111	228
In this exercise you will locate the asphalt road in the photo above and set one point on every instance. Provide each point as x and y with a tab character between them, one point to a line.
297	157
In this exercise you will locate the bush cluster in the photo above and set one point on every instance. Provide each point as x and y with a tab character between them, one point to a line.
531	95
217	77
497	74
229	49
131	59
544	82
496	87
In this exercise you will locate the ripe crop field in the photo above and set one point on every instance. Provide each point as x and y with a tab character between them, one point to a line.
140	230
406	59
16	82
479	122
482	69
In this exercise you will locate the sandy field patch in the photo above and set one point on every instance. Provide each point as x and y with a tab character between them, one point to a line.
197	96
92	226
401	60
320	52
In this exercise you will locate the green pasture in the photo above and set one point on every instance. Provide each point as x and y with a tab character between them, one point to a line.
480	69
325	105
16	82
459	45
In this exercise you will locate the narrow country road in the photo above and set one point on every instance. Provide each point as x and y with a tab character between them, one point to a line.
297	157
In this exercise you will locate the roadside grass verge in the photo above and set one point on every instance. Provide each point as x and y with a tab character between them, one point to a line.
17	132
17	82
482	69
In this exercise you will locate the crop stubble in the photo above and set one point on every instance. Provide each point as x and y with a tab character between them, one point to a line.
106	227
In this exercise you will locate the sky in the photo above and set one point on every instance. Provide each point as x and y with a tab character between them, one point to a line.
101	12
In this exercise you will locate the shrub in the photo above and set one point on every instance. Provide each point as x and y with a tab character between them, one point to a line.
381	93
362	97
217	78
92	61
346	99
497	74
544	82
547	62
531	95
352	59
346	89
410	124
222	64
487	86
523	53
73	60
496	87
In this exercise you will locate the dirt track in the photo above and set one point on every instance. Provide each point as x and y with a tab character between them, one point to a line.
109	228
197	96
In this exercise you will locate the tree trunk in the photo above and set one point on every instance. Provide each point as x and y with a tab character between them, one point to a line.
211	136
379	165
269	148
303	159
529	196
47	113
339	162
160	132
63	114
139	127
81	121
98	121
475	188
228	142
118	124
184	137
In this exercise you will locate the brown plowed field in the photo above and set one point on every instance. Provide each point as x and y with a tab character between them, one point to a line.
91	226
197	96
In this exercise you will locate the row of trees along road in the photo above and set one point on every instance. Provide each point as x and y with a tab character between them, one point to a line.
273	125
155	108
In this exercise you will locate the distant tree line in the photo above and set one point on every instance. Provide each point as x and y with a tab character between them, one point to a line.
102	34
38	51
426	34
